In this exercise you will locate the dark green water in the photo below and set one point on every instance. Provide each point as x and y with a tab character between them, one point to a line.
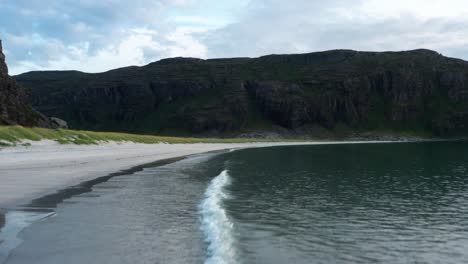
352	203
370	203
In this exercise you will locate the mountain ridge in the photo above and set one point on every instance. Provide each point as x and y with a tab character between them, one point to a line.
418	90
179	58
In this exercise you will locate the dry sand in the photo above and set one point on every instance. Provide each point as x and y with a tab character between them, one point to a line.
29	172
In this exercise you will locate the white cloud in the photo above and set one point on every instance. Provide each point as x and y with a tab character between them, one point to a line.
92	35
274	26
201	21
181	2
139	47
187	46
423	9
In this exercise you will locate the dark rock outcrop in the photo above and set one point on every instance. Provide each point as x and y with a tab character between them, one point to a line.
60	123
14	108
417	90
3	66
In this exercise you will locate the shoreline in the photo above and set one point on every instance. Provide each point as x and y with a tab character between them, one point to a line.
69	159
52	200
28	173
45	206
44	167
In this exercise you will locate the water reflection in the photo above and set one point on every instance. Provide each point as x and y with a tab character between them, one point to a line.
392	203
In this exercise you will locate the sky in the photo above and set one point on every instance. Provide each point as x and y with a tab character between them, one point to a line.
99	35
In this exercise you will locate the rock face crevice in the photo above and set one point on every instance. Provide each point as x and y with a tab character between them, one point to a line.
418	90
14	109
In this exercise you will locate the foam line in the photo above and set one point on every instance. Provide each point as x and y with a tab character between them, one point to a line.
216	225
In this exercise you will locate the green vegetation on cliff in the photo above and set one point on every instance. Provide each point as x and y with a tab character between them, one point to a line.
305	94
12	135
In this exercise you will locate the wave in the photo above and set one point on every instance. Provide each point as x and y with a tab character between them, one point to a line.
216	225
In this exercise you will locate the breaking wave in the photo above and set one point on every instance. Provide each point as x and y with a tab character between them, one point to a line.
216	225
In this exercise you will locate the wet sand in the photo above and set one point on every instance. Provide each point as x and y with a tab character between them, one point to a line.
39	170
29	172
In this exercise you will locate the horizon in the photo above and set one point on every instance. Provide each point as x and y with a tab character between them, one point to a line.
99	36
238	57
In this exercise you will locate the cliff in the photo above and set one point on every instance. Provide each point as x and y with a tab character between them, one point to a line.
14	108
330	91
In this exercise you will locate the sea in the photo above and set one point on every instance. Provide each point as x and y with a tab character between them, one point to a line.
345	203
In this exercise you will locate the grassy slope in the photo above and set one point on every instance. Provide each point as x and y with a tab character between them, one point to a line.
12	135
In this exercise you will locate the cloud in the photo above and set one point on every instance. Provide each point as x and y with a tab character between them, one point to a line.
424	9
91	35
273	26
140	46
95	36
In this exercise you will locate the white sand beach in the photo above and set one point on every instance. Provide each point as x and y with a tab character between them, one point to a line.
29	172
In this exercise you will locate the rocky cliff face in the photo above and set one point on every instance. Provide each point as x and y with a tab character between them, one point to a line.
417	90
13	106
3	66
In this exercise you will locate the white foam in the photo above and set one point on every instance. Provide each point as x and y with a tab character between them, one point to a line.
216	225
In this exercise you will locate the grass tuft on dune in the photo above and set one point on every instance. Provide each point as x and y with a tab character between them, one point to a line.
13	135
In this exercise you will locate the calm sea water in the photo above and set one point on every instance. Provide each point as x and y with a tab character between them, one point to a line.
388	203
